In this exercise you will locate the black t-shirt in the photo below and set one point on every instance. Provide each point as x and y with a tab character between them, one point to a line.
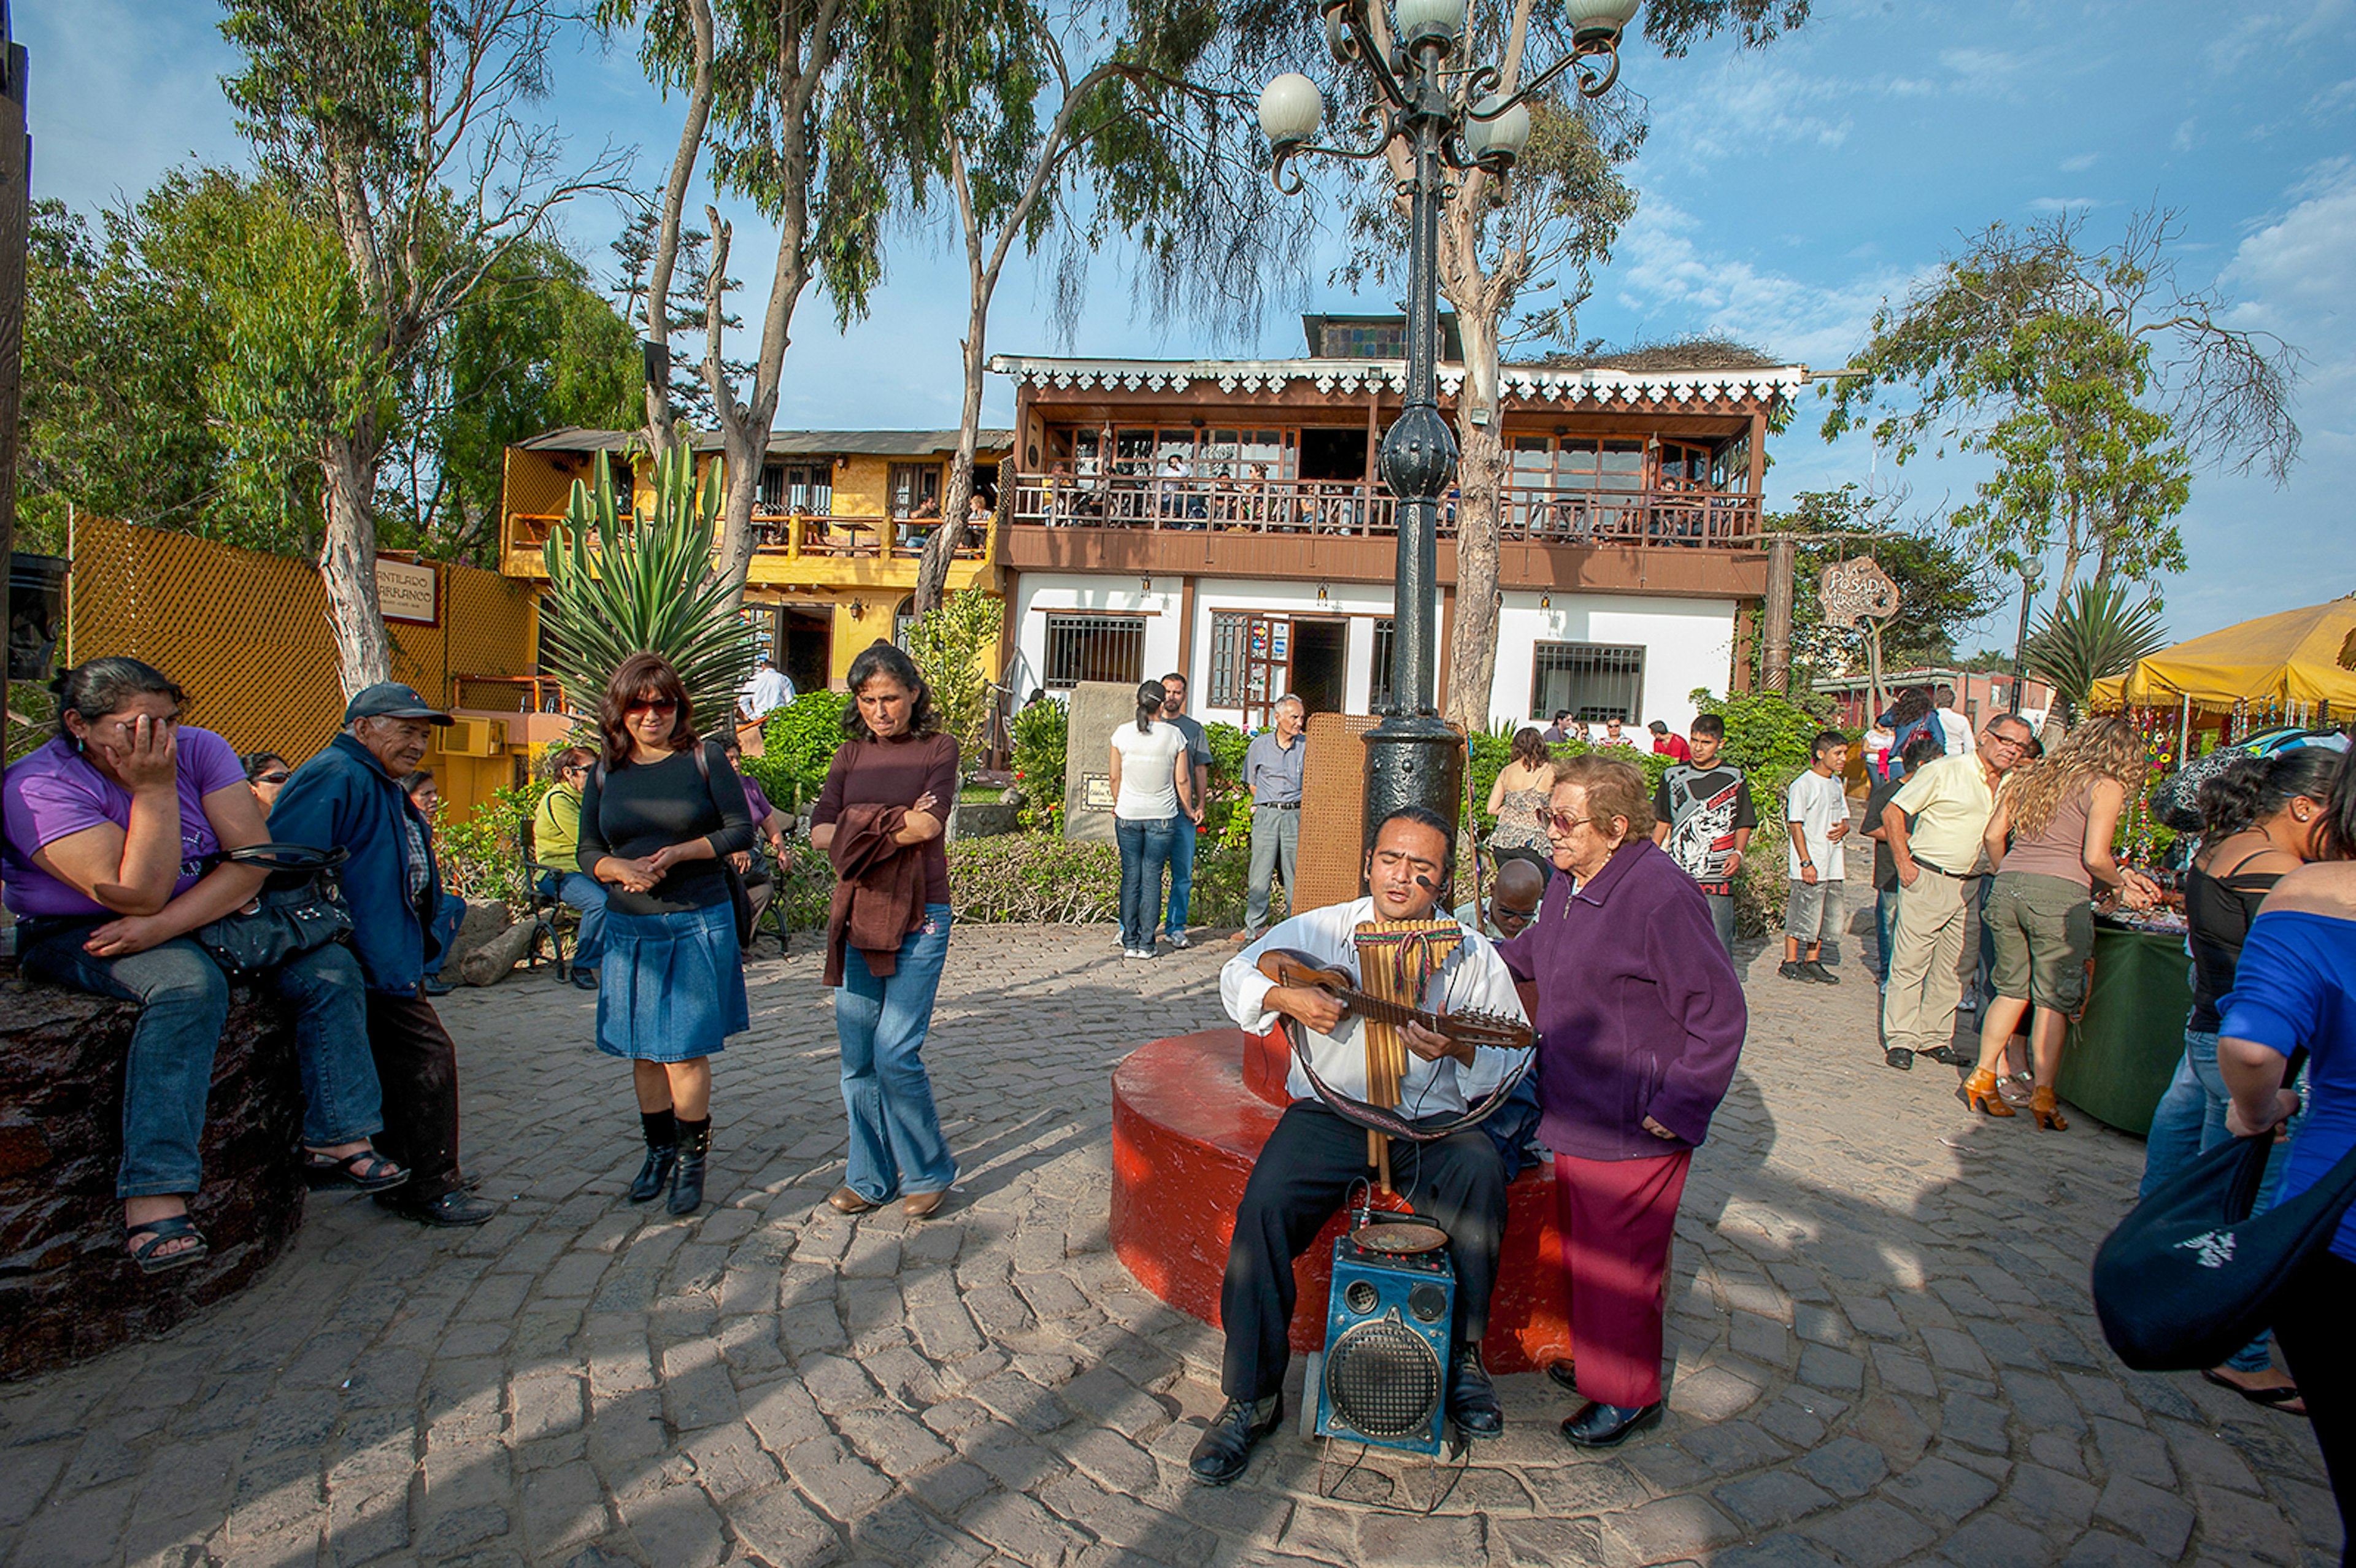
641	808
1705	807
1877	800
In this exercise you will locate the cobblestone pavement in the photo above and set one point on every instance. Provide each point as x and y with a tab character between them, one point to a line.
1883	1346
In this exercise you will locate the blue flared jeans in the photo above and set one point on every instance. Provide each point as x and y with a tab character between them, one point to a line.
1181	874
896	1147
183	1002
1144	852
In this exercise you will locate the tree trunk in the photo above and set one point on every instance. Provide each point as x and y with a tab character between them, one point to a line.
932	571
1480	491
347	563
661	434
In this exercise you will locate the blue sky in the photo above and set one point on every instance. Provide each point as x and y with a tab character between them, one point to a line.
1784	193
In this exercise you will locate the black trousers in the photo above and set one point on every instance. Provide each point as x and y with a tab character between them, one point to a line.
1303	1176
417	1067
2311	1325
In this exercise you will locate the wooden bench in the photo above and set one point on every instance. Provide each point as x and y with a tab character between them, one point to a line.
1189	1116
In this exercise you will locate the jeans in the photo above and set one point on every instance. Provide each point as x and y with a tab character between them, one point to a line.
1181	875
1722	918
184	1001
1276	839
895	1135
1885	916
1144	851
587	895
445	931
2190	1121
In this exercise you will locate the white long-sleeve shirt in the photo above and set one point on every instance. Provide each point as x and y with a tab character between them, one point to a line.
1473	979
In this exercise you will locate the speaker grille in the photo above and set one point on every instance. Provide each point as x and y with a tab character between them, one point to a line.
1383	1379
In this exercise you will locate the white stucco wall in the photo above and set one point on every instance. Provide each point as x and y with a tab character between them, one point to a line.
1040	593
1687	642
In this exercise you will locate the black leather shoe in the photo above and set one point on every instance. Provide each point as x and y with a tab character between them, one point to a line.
654	1176
583	978
1814	969
1472	1398
1563	1374
438	987
1609	1426
1948	1056
1226	1444
459	1208
1901	1058
687	1185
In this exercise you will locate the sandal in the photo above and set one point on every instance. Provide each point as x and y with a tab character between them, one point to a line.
2280	1396
159	1233
363	1169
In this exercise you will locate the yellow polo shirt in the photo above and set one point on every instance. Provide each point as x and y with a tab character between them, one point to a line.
556	827
1950	803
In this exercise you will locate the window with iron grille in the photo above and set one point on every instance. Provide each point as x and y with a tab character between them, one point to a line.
1594	680
1227	683
1379	695
1094	647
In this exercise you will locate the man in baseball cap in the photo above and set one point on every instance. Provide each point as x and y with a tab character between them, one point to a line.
350	795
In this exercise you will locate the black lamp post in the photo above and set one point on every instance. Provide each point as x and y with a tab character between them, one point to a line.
1452	118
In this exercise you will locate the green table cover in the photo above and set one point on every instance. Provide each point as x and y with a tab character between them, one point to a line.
2122	1053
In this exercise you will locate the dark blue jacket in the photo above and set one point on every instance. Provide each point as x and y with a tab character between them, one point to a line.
343	795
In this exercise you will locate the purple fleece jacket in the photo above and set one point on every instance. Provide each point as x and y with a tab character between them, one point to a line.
1639	1010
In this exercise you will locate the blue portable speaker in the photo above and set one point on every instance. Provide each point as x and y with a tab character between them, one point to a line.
1383	1377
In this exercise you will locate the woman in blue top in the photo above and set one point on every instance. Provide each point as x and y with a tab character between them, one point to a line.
2296	987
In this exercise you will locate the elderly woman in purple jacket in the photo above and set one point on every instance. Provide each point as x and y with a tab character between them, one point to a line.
1640	1019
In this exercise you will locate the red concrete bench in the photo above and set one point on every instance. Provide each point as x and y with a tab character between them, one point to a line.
1189	1115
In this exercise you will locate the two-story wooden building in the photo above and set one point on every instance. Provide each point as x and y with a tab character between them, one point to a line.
1225	518
840	521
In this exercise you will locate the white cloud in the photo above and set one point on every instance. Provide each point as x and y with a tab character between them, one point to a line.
2188	135
2079	164
2061	203
1753	104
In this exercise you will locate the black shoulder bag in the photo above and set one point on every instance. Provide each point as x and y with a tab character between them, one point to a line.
2189	1276
299	909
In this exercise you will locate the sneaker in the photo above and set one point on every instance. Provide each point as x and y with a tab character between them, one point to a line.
1814	969
2014	1090
1178	939
1790	971
1136	953
1969	1002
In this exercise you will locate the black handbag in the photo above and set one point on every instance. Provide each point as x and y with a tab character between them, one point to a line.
299	909
2189	1276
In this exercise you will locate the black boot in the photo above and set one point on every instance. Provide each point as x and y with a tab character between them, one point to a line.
1226	1443
1471	1397
663	1153
687	1185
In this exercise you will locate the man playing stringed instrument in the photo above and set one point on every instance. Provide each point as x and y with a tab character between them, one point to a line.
1456	1000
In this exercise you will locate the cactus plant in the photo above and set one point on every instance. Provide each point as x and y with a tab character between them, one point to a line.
618	584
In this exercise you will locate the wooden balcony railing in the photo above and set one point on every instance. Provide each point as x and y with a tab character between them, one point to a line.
1690	518
800	536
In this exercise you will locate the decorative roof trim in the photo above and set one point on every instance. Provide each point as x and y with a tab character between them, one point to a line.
1357	377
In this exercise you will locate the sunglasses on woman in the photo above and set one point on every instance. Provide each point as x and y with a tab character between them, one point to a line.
660	705
1562	822
276	778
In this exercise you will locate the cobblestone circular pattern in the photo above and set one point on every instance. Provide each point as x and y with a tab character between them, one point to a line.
1883	1348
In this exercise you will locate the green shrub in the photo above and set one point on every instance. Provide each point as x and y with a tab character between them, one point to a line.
482	857
948	645
1041	733
800	741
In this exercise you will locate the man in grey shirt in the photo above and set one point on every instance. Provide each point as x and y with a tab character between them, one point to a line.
1190	819
1272	774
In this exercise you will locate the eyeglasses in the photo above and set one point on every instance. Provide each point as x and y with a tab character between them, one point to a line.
1504	917
273	778
660	705
575	768
2011	742
1562	822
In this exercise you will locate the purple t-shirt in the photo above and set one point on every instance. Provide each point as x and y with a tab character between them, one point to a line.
756	802
54	792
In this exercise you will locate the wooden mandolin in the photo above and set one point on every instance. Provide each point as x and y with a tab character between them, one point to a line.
1287	968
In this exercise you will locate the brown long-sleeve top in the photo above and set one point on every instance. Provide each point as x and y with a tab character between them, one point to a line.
898	771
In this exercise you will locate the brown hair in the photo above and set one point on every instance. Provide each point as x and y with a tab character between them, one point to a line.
642	673
1613	788
565	757
2104	748
1530	748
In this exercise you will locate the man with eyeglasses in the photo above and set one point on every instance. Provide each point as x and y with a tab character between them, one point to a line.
1933	825
1514	895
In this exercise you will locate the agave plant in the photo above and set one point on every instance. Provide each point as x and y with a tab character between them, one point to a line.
617	585
2091	635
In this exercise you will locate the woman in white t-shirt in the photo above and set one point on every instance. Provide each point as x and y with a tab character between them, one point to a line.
1150	780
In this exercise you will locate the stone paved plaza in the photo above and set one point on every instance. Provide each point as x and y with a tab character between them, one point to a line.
1883	1348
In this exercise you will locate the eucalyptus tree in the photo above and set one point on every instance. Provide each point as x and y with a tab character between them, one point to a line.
2094	379
1089	119
1537	233
396	126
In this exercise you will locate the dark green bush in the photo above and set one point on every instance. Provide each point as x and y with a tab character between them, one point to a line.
799	742
1042	733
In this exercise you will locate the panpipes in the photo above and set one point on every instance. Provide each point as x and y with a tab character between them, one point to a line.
1397	959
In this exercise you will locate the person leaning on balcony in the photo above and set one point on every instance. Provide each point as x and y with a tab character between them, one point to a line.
660	812
556	849
350	795
111	828
1272	774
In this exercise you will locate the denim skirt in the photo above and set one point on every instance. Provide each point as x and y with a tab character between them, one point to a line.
671	988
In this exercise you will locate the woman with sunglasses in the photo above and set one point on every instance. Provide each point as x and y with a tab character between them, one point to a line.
1640	1019
556	849
658	813
266	773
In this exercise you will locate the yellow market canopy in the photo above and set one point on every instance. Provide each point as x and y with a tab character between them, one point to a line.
2291	658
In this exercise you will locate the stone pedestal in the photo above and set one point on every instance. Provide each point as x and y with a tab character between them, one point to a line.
1097	708
68	1288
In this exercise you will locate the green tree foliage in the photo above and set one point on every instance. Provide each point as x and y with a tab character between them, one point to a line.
2091	635
951	647
1942	589
618	586
2095	383
1767	736
1043	732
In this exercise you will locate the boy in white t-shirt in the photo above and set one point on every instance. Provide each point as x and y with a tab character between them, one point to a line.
1815	814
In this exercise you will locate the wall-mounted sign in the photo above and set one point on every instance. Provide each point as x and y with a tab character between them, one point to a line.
1096	791
407	591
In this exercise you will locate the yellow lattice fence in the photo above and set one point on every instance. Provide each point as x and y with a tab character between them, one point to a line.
246	634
